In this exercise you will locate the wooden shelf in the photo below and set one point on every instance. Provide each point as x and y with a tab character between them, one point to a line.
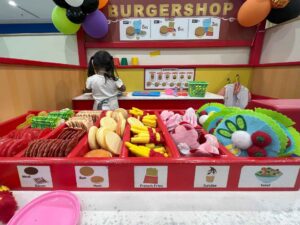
179	66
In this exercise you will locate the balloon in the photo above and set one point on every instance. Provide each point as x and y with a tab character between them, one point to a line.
61	3
75	3
62	23
96	24
76	15
102	3
291	11
252	12
277	4
90	6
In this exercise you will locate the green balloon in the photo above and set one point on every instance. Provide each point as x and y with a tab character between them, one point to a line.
62	23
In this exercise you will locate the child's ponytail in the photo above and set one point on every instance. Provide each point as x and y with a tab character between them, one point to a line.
91	70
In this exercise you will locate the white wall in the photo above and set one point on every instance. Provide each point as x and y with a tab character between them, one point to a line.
281	43
55	48
183	56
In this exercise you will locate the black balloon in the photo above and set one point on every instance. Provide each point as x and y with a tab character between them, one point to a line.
76	15
291	11
62	3
89	6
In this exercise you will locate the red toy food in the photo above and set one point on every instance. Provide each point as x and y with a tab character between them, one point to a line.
8	204
261	139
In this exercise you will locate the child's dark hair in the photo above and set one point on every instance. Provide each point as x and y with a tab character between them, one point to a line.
102	60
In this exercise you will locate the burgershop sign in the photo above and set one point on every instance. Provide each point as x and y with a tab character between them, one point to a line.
118	11
205	8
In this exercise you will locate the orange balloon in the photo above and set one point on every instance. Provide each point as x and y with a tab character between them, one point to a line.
102	3
252	12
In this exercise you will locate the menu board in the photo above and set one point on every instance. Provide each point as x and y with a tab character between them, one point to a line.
170	29
161	21
168	78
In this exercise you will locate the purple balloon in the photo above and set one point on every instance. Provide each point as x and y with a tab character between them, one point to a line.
96	24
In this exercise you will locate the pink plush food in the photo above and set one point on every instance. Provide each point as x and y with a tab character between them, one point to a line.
185	133
190	117
173	121
209	148
166	114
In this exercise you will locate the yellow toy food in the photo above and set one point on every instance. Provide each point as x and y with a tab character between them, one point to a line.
146	138
143	151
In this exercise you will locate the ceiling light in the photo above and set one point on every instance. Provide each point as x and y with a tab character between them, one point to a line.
12	3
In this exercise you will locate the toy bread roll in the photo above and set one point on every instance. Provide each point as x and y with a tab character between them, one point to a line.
98	153
123	111
109	123
108	114
113	142
92	138
100	136
123	125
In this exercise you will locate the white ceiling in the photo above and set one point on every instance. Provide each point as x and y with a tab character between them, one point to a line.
27	11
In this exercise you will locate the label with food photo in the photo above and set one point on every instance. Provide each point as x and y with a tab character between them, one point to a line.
35	176
268	176
211	176
92	176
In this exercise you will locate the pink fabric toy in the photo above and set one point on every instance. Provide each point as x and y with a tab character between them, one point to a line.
185	133
170	119
190	117
186	138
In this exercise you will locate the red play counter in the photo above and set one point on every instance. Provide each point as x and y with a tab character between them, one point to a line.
128	173
86	101
289	107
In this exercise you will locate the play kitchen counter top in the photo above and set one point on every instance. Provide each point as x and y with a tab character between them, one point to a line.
163	96
85	101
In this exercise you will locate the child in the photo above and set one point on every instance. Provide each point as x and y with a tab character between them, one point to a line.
102	81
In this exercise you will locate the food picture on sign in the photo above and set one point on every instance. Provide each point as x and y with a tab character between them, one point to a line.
159	20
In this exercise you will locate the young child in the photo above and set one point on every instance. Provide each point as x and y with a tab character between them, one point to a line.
103	82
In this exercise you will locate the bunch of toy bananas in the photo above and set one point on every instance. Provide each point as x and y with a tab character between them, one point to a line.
146	138
136	129
149	120
146	151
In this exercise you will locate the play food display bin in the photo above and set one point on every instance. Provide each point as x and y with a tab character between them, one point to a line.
128	173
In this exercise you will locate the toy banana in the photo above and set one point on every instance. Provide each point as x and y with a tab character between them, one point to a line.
146	138
141	129
149	122
150	117
143	151
136	112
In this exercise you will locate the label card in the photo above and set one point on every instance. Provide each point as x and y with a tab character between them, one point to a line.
211	176
268	176
92	176
150	176
35	176
135	29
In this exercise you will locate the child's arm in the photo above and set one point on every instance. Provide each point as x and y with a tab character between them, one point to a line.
120	85
88	86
